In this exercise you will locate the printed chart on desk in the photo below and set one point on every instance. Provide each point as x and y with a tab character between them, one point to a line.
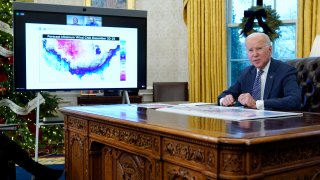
227	113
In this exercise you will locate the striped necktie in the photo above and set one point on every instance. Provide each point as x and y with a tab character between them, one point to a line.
256	90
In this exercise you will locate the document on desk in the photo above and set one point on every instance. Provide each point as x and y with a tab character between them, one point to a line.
155	105
227	113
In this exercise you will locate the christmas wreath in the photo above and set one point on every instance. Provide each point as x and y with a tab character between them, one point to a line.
268	20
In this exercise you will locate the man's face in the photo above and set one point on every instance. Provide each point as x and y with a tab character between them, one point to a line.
258	51
75	20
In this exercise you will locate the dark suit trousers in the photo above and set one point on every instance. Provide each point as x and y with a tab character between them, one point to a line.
11	151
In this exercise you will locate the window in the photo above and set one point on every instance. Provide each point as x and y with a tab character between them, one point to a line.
284	48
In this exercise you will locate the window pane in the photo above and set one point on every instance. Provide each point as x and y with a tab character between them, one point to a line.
236	68
238	7
285	46
237	45
269	3
290	10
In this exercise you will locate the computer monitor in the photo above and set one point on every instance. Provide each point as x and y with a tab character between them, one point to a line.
59	47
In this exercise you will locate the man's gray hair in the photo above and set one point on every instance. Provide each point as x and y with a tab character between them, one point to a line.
255	34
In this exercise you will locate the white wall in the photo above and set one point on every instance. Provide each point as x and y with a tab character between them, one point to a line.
167	40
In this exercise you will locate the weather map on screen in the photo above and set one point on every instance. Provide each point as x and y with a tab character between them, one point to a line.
62	47
94	56
80	57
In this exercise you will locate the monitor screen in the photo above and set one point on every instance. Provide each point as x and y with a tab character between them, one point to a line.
59	47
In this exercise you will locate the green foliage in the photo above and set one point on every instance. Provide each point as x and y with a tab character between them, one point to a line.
6	16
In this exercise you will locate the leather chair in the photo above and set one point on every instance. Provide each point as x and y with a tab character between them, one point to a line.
170	91
309	80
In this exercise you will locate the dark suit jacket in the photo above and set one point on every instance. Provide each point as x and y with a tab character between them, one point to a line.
281	90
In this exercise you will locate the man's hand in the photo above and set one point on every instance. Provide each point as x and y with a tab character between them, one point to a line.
228	100
247	100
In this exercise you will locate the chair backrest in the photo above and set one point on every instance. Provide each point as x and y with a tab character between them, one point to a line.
170	91
308	76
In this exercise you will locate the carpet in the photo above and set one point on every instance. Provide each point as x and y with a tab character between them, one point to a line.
54	162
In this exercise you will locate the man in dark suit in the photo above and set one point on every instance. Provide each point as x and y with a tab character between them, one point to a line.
10	151
278	88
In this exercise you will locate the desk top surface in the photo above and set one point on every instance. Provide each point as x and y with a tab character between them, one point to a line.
200	128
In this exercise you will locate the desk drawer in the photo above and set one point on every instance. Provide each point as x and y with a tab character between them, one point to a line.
172	171
77	124
138	141
200	157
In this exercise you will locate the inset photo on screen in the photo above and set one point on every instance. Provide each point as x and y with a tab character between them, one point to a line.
93	21
76	20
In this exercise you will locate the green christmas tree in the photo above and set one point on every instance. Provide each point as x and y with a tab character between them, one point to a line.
50	137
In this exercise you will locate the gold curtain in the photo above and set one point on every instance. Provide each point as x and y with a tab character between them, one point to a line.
308	25
206	24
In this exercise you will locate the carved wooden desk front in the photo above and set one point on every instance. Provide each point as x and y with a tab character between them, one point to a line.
127	142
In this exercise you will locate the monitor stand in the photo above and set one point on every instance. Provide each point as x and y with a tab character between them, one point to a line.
125	97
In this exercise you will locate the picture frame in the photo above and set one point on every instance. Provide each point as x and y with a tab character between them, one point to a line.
119	4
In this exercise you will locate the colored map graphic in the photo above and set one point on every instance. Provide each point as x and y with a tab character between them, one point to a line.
80	57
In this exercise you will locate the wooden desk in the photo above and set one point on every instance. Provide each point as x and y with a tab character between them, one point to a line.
127	142
91	100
